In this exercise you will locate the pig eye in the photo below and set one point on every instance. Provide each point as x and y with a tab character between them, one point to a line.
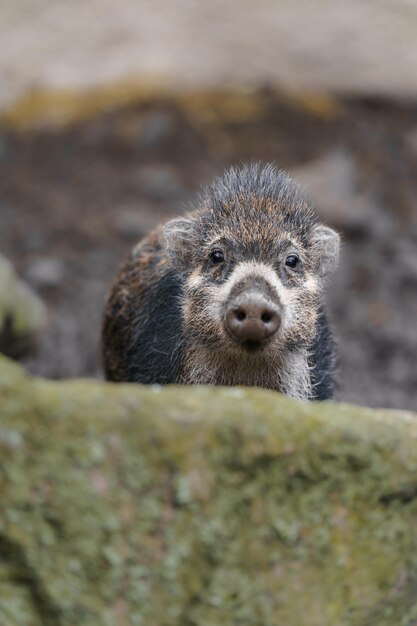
292	261
217	257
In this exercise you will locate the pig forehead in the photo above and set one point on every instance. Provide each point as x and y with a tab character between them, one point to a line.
251	239
249	226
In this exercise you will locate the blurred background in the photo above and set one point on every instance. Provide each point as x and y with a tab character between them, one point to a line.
112	115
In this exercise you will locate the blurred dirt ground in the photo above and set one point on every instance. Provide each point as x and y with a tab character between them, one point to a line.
74	200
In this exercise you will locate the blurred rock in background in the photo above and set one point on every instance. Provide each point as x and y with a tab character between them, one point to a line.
22	314
356	47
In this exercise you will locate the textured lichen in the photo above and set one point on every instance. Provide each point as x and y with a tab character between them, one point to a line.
194	506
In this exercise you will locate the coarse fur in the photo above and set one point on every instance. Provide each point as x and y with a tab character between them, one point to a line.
164	320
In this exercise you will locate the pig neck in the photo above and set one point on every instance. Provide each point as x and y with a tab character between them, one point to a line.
289	373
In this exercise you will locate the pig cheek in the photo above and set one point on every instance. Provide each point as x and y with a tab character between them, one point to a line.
288	299
299	315
201	308
302	305
211	310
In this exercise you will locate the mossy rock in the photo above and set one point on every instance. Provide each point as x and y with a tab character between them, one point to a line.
22	313
129	505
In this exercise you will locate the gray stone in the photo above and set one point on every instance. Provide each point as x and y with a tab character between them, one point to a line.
135	223
45	272
411	141
156	128
161	183
4	150
330	182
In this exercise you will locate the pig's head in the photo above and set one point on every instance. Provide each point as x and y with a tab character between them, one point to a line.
254	261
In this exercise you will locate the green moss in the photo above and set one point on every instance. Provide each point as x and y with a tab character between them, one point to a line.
63	107
186	506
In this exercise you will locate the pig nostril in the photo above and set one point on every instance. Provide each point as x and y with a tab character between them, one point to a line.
266	317
240	315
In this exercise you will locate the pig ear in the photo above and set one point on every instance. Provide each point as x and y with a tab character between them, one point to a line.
325	245
177	239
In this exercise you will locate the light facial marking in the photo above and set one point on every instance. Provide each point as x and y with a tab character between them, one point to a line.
195	279
253	268
218	295
311	283
137	248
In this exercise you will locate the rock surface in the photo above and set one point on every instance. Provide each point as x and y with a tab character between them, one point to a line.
22	313
356	46
187	506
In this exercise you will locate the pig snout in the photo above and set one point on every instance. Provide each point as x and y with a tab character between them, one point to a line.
251	317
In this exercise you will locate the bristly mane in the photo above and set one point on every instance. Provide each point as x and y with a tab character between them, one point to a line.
263	191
